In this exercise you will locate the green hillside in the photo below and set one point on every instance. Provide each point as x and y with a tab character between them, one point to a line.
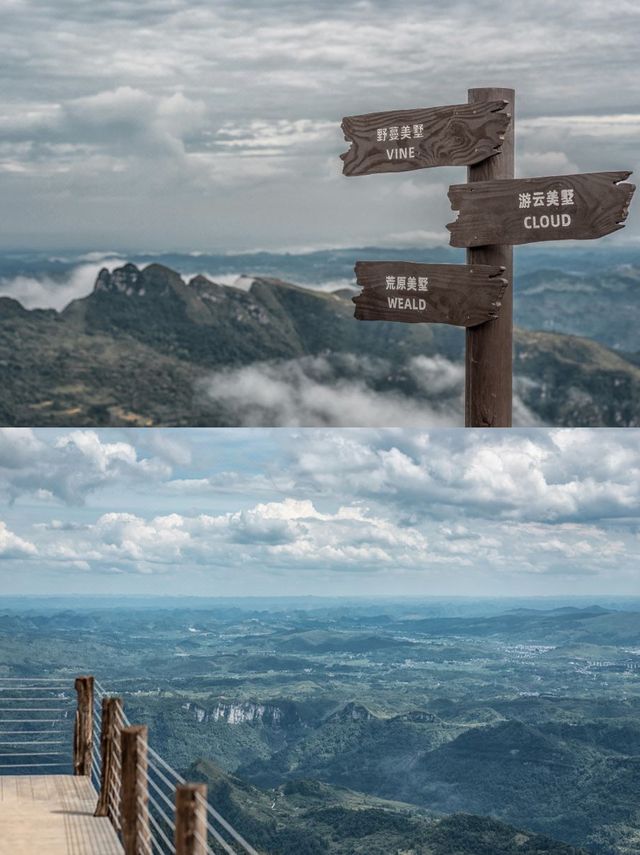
139	349
310	817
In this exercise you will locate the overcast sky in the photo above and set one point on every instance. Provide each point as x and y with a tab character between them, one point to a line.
358	512
205	125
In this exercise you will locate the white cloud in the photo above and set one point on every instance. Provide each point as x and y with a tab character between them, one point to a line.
46	292
12	546
136	110
344	390
310	392
18	447
534	163
290	533
71	466
543	475
492	509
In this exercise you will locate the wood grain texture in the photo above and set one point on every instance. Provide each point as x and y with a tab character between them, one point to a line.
457	294
52	815
457	135
83	727
134	796
489	211
191	819
489	347
110	757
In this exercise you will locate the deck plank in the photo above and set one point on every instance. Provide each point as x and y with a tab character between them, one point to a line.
52	815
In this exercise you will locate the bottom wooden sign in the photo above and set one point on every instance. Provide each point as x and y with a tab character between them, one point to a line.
464	295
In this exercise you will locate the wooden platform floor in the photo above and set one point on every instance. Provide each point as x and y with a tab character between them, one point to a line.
52	815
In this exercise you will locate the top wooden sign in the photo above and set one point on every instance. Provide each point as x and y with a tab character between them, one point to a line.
401	140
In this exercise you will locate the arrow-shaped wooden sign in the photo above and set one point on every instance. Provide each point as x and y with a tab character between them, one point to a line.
401	140
460	294
527	210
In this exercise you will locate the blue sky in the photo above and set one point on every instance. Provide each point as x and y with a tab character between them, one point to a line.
341	512
198	125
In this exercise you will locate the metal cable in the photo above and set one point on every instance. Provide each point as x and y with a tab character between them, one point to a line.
145	811
30	765
223	822
165	798
161	833
202	842
170	822
27	732
161	775
169	768
220	839
34	754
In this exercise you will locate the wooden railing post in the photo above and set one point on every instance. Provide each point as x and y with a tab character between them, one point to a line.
111	763
134	798
191	819
489	348
83	729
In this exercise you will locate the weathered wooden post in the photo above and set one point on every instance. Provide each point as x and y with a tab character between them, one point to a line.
489	346
134	797
496	212
191	819
111	764
83	728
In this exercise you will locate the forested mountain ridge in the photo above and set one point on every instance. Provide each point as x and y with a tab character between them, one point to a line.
143	347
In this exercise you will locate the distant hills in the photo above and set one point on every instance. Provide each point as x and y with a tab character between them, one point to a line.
380	729
146	346
314	818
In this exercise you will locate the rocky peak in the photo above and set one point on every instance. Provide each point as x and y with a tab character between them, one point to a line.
155	279
245	712
123	280
352	712
201	281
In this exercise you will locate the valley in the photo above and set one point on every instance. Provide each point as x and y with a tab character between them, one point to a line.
360	726
149	346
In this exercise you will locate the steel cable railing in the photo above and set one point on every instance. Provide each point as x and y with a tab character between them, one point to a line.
42	724
159	783
36	722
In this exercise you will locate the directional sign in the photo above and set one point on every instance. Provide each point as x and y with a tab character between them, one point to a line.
401	140
527	210
460	294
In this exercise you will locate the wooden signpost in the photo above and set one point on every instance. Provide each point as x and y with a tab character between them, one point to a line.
457	294
496	212
417	139
526	210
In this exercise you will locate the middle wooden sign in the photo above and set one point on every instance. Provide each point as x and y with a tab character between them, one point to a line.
463	295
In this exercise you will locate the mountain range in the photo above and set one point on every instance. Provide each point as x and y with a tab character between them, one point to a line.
320	819
146	347
386	728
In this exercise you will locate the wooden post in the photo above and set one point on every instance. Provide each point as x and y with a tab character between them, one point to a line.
191	819
83	729
489	346
110	756
134	798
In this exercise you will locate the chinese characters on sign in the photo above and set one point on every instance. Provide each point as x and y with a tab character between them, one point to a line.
550	199
404	132
459	294
495	212
407	283
399	140
524	210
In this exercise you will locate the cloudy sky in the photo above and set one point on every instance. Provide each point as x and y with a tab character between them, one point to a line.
212	125
351	512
